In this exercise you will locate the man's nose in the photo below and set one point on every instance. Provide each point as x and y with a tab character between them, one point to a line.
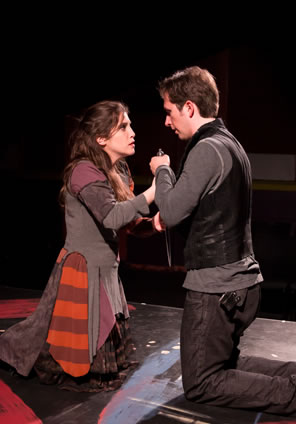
167	121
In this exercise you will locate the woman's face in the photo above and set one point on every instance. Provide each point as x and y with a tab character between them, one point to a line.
122	142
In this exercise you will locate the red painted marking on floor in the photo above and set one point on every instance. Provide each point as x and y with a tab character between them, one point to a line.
17	308
13	410
131	307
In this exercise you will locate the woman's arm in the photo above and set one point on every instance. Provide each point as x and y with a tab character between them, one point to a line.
93	189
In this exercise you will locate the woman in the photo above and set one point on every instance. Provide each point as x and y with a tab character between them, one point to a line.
78	336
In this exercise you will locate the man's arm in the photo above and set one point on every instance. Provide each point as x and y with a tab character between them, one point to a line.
203	171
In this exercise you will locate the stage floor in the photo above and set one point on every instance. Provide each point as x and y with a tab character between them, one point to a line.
152	393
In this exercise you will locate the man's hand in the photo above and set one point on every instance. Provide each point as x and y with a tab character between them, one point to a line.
156	161
158	223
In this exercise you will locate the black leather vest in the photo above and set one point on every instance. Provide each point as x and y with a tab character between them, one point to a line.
218	231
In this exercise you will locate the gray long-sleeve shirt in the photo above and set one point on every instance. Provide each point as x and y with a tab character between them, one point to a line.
206	167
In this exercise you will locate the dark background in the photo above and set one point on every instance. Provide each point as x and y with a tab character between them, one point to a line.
55	65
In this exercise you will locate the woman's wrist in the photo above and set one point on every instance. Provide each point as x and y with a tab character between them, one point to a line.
149	195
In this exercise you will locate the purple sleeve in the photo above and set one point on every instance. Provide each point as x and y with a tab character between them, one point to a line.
83	174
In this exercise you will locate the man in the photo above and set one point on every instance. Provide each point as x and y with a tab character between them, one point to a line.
210	202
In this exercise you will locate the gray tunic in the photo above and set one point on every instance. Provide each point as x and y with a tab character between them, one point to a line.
93	217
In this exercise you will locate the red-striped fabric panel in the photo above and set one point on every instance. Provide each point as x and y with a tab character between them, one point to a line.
68	332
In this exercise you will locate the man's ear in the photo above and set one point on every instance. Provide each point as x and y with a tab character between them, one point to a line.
101	141
189	107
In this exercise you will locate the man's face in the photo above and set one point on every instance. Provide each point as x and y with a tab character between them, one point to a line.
177	120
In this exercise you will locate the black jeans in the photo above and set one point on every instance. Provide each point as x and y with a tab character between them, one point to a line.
212	369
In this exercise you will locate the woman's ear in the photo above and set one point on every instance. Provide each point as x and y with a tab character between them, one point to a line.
101	141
